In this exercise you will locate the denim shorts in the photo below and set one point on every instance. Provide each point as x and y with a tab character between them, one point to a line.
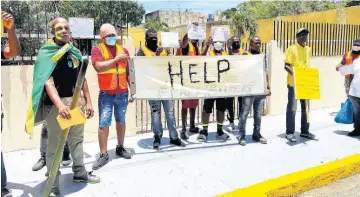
108	102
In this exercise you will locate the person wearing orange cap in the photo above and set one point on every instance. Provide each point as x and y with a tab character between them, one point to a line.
110	60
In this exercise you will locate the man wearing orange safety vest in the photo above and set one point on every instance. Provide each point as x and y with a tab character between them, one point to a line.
151	49
348	59
110	61
190	49
209	103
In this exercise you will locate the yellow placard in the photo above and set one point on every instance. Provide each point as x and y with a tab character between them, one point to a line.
307	83
77	117
2	27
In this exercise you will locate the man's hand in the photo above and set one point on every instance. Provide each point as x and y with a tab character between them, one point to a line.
8	20
64	112
158	51
209	42
122	57
89	111
181	44
131	99
268	91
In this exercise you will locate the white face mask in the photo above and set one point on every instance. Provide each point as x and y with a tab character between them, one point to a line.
356	48
218	46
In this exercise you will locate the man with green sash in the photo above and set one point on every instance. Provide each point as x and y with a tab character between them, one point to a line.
55	75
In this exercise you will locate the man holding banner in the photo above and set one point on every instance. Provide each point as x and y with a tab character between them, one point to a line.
56	71
256	101
151	49
297	56
218	50
189	48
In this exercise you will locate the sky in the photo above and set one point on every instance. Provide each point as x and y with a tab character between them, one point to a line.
203	6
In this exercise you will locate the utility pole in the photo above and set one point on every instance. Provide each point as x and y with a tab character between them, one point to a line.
179	15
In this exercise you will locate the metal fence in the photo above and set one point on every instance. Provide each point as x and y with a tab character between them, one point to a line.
325	39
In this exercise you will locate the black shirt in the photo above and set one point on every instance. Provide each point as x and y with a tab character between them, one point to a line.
65	78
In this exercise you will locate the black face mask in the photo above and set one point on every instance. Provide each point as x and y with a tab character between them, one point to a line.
356	52
235	46
151	44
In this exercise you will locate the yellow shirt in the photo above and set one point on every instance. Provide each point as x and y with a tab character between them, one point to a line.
297	56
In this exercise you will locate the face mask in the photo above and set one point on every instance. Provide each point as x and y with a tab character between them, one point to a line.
111	40
152	44
218	46
236	46
194	42
356	48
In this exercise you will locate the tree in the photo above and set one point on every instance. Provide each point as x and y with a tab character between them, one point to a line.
156	24
351	3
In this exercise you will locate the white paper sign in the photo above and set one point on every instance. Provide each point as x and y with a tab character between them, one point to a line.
82	27
170	40
193	77
219	34
197	32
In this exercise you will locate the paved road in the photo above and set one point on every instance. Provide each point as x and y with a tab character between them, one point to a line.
349	187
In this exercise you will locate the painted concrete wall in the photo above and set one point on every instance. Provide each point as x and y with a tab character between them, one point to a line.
16	84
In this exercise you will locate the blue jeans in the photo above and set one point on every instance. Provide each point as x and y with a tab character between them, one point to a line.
258	105
155	107
291	113
3	173
108	102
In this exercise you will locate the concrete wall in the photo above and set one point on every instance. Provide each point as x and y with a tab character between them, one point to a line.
16	87
332	83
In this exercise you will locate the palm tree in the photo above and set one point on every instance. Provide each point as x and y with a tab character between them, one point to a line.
156	24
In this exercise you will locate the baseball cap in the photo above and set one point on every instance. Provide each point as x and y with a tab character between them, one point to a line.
302	30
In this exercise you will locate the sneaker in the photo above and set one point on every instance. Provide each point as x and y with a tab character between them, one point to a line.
232	127
177	142
122	152
55	192
101	161
88	178
66	160
194	130
308	135
5	192
157	142
291	137
241	140
202	137
39	164
183	135
354	134
221	135
259	139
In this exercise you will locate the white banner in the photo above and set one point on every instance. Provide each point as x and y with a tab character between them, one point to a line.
185	77
82	27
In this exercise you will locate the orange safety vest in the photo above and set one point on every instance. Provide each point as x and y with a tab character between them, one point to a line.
212	53
349	60
116	76
191	50
149	52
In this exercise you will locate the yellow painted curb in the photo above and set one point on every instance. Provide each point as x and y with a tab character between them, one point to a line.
302	181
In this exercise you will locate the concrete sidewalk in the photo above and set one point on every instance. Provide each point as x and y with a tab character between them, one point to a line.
199	170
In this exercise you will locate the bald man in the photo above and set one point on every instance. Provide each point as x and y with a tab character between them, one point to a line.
59	89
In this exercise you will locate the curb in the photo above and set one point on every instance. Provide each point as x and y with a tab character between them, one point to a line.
301	181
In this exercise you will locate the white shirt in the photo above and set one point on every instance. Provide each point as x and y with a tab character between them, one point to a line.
353	69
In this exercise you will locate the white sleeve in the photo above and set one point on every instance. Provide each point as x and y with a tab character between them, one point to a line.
346	70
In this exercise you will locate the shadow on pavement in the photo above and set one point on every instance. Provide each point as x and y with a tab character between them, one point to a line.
66	187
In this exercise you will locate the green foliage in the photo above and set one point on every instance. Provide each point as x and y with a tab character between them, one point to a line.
156	24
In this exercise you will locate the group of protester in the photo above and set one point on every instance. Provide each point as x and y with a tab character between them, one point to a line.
110	60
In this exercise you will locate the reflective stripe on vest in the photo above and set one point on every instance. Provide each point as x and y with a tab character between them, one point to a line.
212	53
148	52
116	76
